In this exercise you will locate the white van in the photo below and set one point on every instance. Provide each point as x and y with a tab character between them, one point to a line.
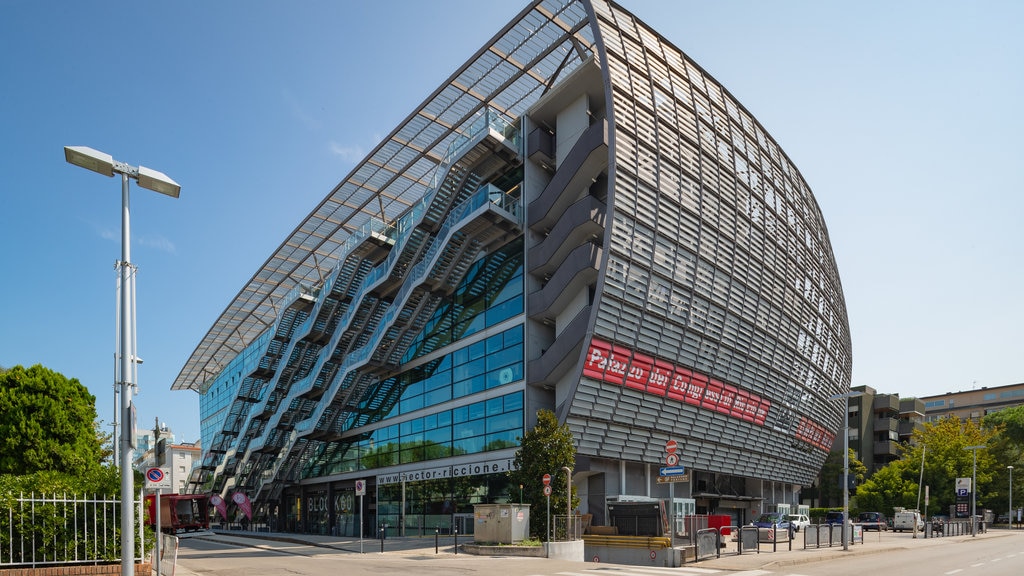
908	520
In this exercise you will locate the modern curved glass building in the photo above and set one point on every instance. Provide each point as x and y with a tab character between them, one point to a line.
579	219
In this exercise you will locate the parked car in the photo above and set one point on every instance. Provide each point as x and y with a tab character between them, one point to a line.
834	517
873	521
799	521
773	520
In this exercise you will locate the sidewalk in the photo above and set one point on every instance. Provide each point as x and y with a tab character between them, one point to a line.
268	540
399	544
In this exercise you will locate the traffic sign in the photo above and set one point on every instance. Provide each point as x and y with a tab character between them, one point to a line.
547	479
157	478
547	490
672	470
670	479
360	487
672	459
671	446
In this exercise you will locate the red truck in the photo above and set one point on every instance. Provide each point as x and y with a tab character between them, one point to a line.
179	512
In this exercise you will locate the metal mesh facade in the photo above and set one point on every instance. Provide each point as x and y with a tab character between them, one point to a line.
718	260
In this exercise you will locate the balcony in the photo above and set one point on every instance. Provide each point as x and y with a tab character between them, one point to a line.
886	448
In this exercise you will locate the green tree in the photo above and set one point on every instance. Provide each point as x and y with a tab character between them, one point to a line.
47	422
1007	450
943	446
892	486
830	481
545	449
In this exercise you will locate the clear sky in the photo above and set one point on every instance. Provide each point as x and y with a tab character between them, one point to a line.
904	117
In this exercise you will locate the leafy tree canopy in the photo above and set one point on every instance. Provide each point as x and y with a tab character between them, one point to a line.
943	446
887	489
831	477
1007	450
105	480
47	423
545	449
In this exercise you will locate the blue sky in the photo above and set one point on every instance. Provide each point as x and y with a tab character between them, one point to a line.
904	117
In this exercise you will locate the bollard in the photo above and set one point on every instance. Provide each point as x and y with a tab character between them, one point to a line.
456	541
437	531
382	539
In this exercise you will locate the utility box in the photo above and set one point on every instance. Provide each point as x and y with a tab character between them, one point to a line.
501	523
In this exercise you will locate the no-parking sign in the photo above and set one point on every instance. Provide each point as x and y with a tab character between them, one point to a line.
157	478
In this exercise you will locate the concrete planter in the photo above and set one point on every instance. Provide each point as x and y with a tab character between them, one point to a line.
486	550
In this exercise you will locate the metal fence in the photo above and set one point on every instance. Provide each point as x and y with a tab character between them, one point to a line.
567	528
46	530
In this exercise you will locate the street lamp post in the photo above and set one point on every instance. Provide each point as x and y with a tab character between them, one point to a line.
568	498
101	163
1009	518
846	461
974	489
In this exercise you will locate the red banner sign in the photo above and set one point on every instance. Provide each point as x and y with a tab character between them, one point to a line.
618	365
814	434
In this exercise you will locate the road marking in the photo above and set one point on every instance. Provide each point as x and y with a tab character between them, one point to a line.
648	570
640	571
951	571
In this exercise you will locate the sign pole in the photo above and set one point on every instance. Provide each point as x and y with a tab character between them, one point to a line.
360	491
549	516
671	463
158	530
672	515
547	492
156	480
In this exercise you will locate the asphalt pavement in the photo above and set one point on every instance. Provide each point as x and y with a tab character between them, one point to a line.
873	542
766	559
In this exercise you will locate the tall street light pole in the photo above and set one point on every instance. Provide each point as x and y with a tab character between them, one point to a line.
1009	518
102	163
846	460
974	488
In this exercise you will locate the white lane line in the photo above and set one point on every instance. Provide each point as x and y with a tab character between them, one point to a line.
951	571
660	570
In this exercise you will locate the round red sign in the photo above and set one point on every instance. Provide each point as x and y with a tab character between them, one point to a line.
670	446
547	479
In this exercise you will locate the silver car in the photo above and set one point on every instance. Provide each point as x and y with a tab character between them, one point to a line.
798	521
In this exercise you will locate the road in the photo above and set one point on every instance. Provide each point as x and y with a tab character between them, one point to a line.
997	555
1003	556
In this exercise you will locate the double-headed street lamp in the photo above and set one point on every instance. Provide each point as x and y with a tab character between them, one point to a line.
846	460
974	488
158	182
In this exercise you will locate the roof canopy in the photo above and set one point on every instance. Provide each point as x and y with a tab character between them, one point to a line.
546	40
